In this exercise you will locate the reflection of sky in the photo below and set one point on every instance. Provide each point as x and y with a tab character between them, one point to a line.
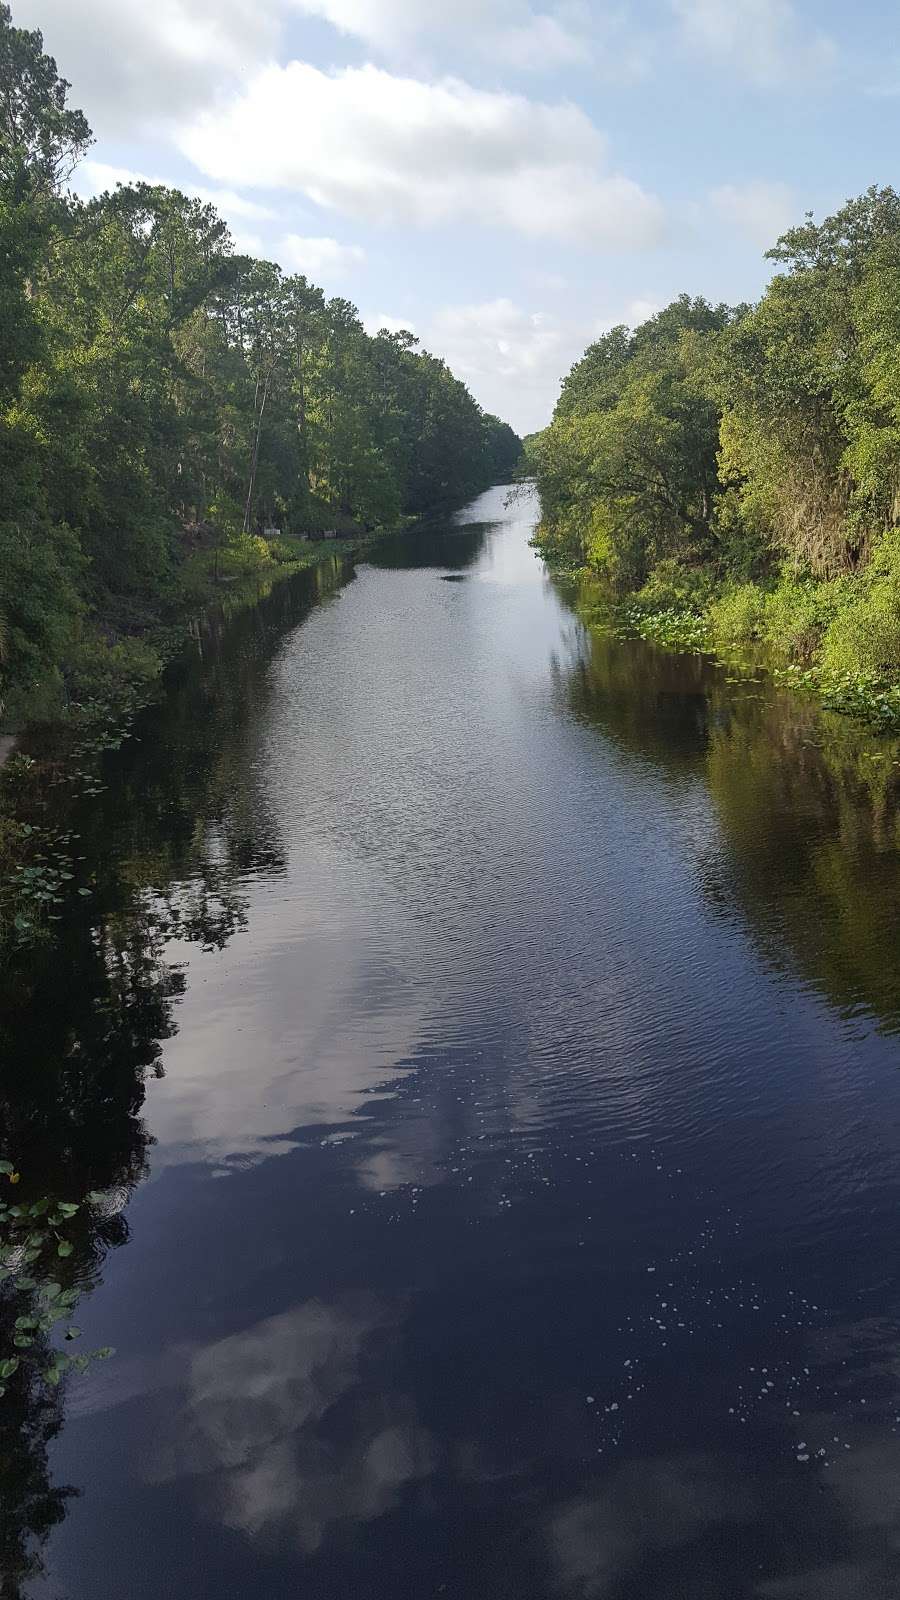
676	1513
648	1508
395	846
286	1027
251	1427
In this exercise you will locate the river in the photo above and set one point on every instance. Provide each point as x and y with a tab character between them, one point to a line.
485	1037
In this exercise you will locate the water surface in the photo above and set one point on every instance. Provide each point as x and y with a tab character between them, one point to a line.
486	1035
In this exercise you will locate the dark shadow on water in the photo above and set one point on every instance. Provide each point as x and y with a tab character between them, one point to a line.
82	1021
447	545
807	801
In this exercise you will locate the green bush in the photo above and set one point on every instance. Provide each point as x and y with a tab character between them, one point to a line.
39	602
797	614
793	617
673	584
97	671
285	551
738	615
742	539
14	837
242	555
864	636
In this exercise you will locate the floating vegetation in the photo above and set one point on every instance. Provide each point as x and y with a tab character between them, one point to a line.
34	1242
868	699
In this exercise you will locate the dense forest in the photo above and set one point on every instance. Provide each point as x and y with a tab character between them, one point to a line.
166	401
742	465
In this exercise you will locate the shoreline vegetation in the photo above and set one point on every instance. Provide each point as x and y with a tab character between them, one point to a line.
63	749
869	698
181	425
727	479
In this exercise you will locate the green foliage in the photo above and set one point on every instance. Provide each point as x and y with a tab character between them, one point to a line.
864	634
672	584
164	401
100	674
628	471
41	139
285	551
39	600
32	1243
737	615
38	872
738	472
808	385
792	615
245	554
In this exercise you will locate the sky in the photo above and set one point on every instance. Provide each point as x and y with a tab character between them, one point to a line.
506	179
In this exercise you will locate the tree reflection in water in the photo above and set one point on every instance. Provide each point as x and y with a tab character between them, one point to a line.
808	804
83	1020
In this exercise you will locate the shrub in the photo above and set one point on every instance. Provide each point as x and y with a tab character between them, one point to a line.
97	671
284	551
737	616
796	614
864	636
242	555
14	837
672	584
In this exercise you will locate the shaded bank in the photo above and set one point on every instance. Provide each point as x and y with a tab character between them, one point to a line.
56	762
809	804
84	1017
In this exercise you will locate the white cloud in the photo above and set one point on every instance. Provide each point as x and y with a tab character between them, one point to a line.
249	244
638	311
763	211
229	203
160	63
318	258
392	149
526	39
540	43
631	315
374	324
513	360
138	65
569	33
95	177
764	40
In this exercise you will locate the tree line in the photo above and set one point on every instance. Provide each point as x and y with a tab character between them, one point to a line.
165	400
746	460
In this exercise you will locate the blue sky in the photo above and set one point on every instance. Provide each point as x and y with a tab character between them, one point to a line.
506	178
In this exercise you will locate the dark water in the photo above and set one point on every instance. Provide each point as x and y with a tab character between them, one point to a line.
486	1038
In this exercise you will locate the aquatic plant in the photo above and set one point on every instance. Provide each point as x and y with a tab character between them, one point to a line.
33	1243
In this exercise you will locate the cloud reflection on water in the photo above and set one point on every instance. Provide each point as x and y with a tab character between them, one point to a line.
258	1426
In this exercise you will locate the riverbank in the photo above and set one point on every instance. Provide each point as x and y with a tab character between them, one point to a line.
61	745
825	639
